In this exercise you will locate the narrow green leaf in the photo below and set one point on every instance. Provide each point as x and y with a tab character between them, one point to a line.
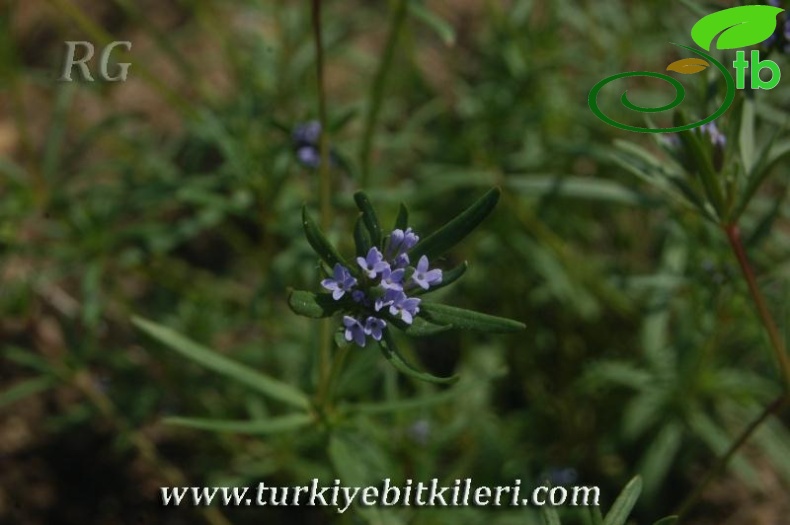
419	327
402	220
467	319
746	134
549	515
454	231
701	156
319	242
262	383
434	21
313	305
669	520
266	426
369	217
584	188
361	237
403	404
595	515
624	503
766	160
25	389
391	354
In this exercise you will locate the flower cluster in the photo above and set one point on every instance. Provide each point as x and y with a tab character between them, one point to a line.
385	280
306	137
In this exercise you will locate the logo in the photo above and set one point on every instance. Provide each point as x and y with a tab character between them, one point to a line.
736	27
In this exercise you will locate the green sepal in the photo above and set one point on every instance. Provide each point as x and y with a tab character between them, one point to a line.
369	217
361	237
448	278
454	231
402	220
391	354
467	319
319	242
314	305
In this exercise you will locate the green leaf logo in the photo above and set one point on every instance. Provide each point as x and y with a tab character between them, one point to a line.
739	27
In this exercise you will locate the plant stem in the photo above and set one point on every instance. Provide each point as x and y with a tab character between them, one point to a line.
377	90
325	193
777	344
720	465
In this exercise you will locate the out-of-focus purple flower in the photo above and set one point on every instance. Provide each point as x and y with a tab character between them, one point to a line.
420	431
358	296
718	140
373	264
307	133
354	330
716	137
308	156
374	327
341	282
425	277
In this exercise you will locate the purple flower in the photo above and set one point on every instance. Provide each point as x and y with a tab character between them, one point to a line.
392	280
717	138
390	296
354	330
425	277
405	307
400	241
341	283
308	156
374	327
373	264
307	133
358	296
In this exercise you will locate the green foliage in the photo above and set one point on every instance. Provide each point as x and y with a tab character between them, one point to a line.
157	236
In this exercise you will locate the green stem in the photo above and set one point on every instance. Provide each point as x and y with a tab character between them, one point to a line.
720	465
325	195
777	344
377	90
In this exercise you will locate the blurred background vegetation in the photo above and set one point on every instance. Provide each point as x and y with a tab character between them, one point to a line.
176	196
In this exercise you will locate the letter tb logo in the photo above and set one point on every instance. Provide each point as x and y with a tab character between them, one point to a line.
732	28
104	59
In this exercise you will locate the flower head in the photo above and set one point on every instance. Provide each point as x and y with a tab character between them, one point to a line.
383	291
